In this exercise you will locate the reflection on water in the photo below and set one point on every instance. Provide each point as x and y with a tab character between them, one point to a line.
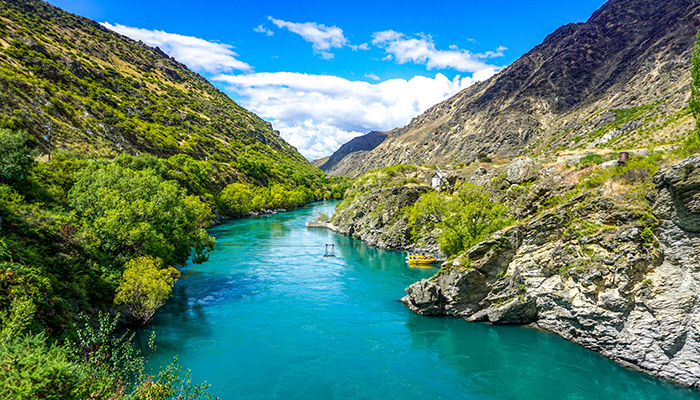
269	317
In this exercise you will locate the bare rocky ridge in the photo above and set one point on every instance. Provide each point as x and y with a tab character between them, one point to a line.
621	289
618	80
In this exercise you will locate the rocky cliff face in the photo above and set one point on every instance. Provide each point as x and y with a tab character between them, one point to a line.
612	278
372	209
619	80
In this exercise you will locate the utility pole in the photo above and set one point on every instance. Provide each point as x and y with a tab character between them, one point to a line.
48	137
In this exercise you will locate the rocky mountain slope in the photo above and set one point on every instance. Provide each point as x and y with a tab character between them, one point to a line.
358	145
97	92
619	80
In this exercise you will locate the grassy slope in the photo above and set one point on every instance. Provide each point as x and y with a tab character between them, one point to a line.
105	94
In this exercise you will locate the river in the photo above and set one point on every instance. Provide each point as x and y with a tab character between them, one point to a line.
269	317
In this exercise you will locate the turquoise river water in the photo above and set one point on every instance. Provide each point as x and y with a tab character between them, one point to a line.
268	317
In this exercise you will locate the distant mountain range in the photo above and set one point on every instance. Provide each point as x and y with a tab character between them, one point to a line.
100	93
619	80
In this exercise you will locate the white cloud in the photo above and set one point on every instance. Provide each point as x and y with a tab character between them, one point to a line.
196	53
421	50
318	113
492	54
262	29
323	38
372	77
363	46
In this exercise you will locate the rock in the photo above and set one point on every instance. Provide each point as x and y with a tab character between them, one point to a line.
576	159
679	194
522	170
516	311
609	164
424	298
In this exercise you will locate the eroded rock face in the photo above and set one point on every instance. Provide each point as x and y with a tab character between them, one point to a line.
679	194
613	287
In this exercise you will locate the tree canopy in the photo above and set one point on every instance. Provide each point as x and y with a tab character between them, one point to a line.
133	213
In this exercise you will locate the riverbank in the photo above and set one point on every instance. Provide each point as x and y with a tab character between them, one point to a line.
609	263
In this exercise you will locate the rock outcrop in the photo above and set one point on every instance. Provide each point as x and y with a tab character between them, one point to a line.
376	217
373	208
610	81
615	279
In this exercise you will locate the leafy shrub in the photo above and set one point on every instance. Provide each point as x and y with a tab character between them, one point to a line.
16	159
321	217
482	157
590	160
145	286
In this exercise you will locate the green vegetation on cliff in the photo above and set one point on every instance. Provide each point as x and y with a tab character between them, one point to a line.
464	217
99	93
695	88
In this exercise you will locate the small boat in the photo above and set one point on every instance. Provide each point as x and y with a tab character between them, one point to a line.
421	259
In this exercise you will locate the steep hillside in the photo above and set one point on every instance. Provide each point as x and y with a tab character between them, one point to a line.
619	80
99	93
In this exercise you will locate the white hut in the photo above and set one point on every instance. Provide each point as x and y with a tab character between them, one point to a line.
437	179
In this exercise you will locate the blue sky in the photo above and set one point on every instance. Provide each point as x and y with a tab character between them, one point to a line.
324	72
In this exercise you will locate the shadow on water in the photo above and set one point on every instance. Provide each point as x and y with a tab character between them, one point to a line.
522	363
186	315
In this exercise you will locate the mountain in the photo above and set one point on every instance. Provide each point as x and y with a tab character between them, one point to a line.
100	93
362	144
620	80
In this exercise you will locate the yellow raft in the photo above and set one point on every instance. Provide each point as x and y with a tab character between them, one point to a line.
421	259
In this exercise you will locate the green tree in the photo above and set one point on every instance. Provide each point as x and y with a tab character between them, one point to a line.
695	89
145	286
132	213
237	199
16	159
464	218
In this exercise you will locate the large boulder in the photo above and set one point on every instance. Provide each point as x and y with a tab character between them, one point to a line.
522	170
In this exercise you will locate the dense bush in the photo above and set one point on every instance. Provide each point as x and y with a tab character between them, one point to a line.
16	159
464	218
239	199
98	364
145	287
